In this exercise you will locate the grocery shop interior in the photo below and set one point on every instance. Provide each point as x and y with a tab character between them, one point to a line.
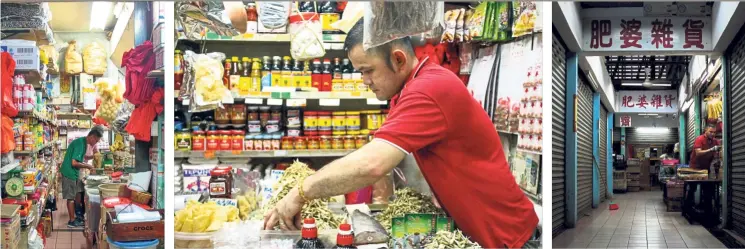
266	96
82	126
645	146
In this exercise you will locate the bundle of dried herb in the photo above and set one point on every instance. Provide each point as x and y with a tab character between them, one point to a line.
407	201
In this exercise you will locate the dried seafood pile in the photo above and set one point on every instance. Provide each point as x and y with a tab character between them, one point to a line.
447	239
407	201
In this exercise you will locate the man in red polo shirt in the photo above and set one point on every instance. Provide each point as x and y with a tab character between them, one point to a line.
705	149
452	138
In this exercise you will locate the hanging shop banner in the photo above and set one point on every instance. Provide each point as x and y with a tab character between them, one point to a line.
648	101
647	34
625	121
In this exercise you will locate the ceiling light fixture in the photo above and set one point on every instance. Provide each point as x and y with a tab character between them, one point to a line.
100	12
631	84
652	129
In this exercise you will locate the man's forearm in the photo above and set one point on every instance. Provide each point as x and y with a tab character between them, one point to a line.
357	170
79	165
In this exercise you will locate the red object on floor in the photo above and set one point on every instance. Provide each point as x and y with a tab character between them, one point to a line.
613	206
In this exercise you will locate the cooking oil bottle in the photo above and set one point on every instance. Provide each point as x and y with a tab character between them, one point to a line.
256	77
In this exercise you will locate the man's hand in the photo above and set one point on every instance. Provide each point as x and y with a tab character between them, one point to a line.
286	213
715	148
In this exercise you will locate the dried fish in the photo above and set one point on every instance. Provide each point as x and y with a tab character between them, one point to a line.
447	239
407	201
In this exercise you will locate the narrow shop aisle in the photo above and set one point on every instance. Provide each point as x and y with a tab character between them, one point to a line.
63	237
640	222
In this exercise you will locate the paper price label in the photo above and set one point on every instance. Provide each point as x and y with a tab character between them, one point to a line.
278	153
296	102
253	101
374	101
274	101
329	102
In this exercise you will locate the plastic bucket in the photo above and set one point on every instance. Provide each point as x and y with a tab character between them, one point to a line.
109	190
94	195
147	244
193	240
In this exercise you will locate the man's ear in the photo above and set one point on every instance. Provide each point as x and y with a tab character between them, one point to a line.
399	59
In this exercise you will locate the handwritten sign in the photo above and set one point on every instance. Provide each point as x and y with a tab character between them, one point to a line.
648	101
225	202
647	34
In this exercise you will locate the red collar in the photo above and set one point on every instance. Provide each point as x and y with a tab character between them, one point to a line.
422	62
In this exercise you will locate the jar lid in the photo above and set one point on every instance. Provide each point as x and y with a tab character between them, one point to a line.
300	138
212	132
353	113
218	172
198	132
224	132
228	168
311	113
254	122
253	108
277	137
339	113
238	132
287	138
324	113
249	136
264	108
272	122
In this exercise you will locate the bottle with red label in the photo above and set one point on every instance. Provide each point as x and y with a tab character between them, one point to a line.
327	76
309	236
345	237
316	75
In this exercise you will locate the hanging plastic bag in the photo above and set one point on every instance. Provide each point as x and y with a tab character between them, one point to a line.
73	60
387	21
122	116
94	59
273	15
110	96
7	140
352	13
306	37
205	77
8	65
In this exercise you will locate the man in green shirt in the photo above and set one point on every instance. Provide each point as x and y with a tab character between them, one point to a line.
74	161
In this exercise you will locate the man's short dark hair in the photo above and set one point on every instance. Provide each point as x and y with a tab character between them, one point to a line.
711	126
96	131
356	36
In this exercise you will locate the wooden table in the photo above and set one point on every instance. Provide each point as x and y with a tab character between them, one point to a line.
707	211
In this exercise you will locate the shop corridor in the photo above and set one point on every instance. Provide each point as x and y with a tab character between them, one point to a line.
640	222
63	237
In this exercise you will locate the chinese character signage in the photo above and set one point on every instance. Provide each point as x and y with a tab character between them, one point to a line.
625	121
648	101
647	34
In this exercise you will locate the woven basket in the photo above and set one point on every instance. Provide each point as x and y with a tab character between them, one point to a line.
140	197
109	190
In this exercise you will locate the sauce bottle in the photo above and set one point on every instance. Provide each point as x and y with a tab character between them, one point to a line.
306	75
297	74
245	81
256	77
277	71
345	238
309	236
346	70
226	74
337	69
316	75
178	71
327	76
266	72
235	74
252	20
287	79
307	6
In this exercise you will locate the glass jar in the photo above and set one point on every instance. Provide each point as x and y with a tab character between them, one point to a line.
258	142
226	140
337	85
248	143
352	121
324	122
300	143
275	113
272	126
310	121
314	143
183	140
238	114
221	183
324	142
288	143
254	126
264	115
237	141
349	142
198	140
253	113
276	142
372	119
339	123
222	115
337	142
213	141
360	141
293	118
267	142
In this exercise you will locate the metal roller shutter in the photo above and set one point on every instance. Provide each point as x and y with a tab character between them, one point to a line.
603	150
736	130
690	128
616	134
558	101
584	149
635	137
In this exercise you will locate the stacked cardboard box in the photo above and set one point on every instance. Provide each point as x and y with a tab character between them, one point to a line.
644	180
11	225
633	174
619	180
674	197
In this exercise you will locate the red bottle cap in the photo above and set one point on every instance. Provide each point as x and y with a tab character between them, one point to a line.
345	236
309	229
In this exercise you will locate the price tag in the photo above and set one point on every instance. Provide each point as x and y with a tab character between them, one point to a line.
225	202
356	94
210	154
296	102
328	102
374	101
236	152
228	101
279	153
274	101
254	101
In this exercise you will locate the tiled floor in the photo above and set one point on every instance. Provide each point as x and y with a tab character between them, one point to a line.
641	222
63	237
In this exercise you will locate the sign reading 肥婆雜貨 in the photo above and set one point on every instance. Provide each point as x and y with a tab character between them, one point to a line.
647	34
665	101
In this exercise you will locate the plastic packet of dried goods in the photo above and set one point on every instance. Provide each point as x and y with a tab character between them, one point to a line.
94	59
387	21
524	18
383	190
196	17
459	25
122	116
73	59
204	74
451	18
306	42
273	15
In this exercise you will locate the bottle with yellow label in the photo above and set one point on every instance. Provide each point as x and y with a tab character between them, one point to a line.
277	71
256	77
244	86
306	76
235	74
297	73
337	85
287	78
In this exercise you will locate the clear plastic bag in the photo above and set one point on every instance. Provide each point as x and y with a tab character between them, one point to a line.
306	38
387	21
94	59
204	77
273	15
73	59
122	117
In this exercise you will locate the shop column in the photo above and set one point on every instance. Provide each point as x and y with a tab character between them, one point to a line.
595	149
682	137
609	155
571	138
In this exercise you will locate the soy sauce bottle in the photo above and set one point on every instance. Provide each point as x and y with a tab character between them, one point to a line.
345	237
309	236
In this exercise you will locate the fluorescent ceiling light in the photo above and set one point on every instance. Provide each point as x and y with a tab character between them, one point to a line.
631	84
642	84
100	12
648	114
651	129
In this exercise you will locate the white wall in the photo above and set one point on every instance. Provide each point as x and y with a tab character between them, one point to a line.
566	19
727	17
596	66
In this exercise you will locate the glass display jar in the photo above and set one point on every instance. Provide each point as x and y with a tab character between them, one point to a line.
264	115
225	140
324	122
221	183
300	143
310	121
258	142
352	121
213	141
314	143
248	142
238	114
288	143
293	118
372	119
267	142
237	141
339	123
198	140
253	113
183	140
275	113
360	141
222	115
276	142
337	142
325	143
349	142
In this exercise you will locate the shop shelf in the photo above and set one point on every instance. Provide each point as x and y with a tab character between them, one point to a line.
298	98
33	152
8	167
262	154
84	116
327	38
